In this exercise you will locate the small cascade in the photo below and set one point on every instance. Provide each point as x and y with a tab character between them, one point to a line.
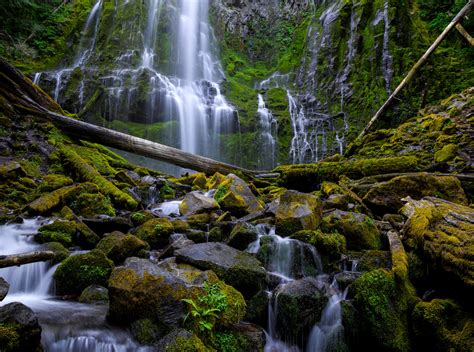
268	126
328	334
387	60
89	36
170	208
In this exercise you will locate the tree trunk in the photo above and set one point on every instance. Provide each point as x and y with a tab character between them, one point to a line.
25	258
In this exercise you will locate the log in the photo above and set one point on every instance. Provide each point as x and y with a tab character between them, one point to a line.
464	11
465	34
24	95
25	258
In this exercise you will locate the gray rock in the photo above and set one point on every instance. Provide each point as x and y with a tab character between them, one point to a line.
242	235
238	269
174	341
25	323
196	203
346	278
94	294
4	287
234	195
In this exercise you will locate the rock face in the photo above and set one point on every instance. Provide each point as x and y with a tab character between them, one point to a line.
297	211
4	287
196	203
19	329
119	247
238	269
442	232
387	196
299	306
234	195
360	231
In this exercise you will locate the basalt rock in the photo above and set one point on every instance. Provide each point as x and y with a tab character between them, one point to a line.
196	203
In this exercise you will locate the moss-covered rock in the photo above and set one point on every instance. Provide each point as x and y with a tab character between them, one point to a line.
339	197
140	217
360	231
441	233
234	195
53	182
242	235
119	247
94	294
374	259
442	325
387	197
196	203
68	233
79	271
147	332
155	232
60	252
297	211
91	204
180	340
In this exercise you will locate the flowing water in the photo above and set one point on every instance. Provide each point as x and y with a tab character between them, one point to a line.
66	326
268	133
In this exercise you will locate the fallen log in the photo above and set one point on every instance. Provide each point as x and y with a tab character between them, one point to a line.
25	258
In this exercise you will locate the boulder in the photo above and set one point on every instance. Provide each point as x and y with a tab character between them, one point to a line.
119	247
238	269
155	232
197	203
77	272
234	195
441	232
68	233
180	340
297	211
360	231
94	294
346	278
386	197
19	329
4	287
299	305
242	235
177	241
108	224
339	197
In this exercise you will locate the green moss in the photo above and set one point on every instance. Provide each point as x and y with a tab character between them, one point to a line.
448	153
68	233
53	182
155	232
118	246
90	205
79	271
9	338
140	217
60	252
167	192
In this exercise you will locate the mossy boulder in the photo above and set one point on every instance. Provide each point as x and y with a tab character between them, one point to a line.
147	332
68	233
447	153
140	217
54	181
155	232
360	231
77	272
386	197
19	329
441	233
59	250
374	259
297	211
234	195
197	203
242	235
442	325
118	246
299	307
238	269
339	197
94	294
91	204
180	340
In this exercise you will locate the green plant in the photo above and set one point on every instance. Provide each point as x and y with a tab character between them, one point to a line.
204	311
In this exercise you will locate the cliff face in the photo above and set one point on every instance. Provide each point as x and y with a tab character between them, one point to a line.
303	76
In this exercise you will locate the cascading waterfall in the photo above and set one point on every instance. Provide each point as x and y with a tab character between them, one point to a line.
268	127
66	326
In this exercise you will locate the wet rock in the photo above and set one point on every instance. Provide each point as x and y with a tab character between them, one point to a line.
178	241
59	250
155	232
360	231
119	247
196	203
250	337
374	259
146	332
19	329
297	211
346	278
106	224
242	235
11	169
339	197
441	232
257	309
299	306
234	195
4	287
180	340
386	197
238	269
77	272
94	294
68	233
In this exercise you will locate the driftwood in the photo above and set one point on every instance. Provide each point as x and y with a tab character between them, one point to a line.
464	11
22	94
25	258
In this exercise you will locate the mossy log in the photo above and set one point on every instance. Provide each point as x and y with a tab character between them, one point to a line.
25	258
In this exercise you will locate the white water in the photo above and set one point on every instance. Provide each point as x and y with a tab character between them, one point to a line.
66	326
170	208
268	133
87	42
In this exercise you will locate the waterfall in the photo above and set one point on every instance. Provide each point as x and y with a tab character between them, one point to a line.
268	127
387	60
150	33
87	44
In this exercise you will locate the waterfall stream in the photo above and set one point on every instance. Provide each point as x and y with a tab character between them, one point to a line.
67	326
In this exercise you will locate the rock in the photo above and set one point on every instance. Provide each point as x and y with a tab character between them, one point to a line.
177	241
140	217
146	332
11	169
297	211
299	306
156	232
339	197
346	278
247	337
4	287
360	231
143	290
119	247
77	272
234	195
442	233
68	233
386	197
242	235
180	340
257	309
19	329
107	224
238	269
196	203
374	259
59	250
94	294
